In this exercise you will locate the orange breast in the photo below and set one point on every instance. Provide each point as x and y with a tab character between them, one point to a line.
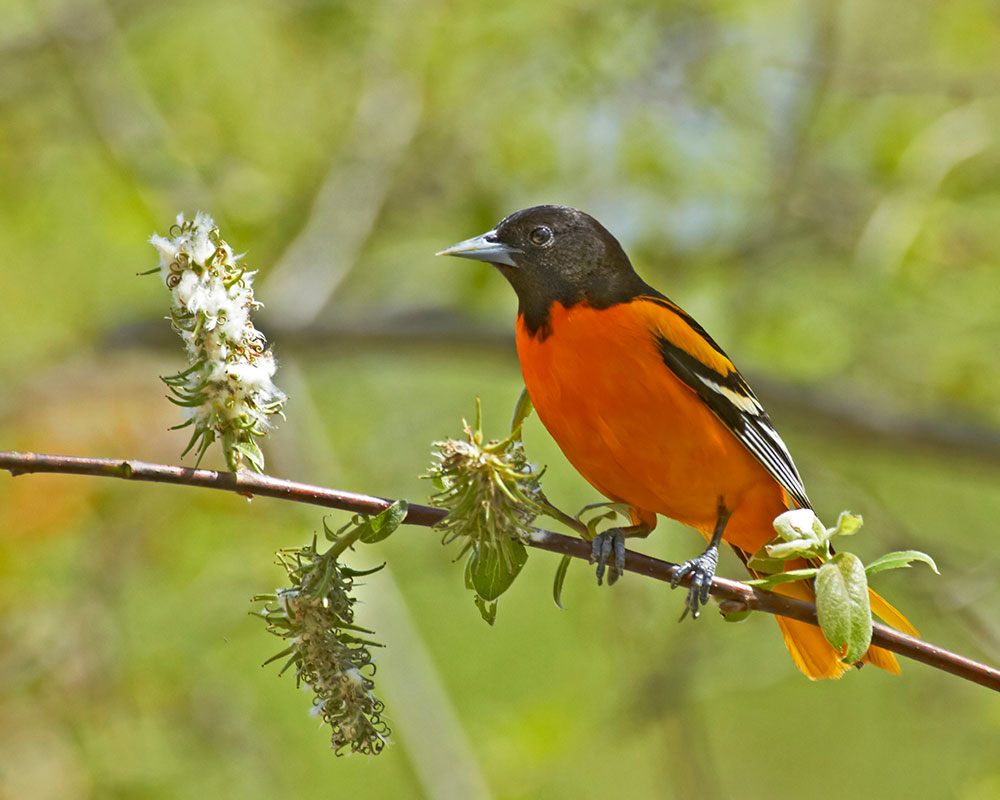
635	431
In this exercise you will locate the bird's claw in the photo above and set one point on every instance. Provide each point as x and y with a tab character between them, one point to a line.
604	544
703	570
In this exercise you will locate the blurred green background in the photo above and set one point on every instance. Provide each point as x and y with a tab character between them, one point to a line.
817	182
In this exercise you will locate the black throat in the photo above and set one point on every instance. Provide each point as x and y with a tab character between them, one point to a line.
536	293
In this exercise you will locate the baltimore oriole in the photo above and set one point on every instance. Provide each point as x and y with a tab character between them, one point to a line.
649	409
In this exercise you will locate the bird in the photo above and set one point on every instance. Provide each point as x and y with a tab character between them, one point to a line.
650	410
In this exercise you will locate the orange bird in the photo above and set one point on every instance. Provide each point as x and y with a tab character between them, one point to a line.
649	409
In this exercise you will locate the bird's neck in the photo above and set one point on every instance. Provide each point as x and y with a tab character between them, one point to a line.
536	298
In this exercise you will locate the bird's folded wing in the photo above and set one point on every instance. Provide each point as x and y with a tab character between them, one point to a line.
694	357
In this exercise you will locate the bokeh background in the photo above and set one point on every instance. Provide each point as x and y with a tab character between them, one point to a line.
817	182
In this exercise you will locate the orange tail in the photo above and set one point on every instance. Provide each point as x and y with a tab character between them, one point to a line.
814	655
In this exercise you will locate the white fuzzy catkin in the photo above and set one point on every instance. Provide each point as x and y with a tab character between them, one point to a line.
226	392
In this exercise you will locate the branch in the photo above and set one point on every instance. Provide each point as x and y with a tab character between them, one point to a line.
735	596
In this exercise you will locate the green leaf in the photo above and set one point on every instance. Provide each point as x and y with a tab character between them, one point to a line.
800	523
762	562
487	609
797	548
487	572
783	577
522	410
848	524
366	529
383	524
360	573
898	559
736	616
842	606
246	451
276	656
557	584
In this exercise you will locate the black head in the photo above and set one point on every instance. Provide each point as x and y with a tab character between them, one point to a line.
555	254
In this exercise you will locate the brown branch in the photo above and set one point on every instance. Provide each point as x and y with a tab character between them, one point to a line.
734	594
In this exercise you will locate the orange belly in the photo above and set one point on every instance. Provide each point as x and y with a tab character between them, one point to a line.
636	432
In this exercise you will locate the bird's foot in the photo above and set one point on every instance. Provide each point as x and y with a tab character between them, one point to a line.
604	544
703	570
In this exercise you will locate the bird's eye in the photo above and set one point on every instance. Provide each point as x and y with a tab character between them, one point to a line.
540	236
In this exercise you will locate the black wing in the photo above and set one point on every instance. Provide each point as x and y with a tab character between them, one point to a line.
733	402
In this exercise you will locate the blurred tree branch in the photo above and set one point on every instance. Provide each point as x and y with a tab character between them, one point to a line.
351	195
735	596
823	410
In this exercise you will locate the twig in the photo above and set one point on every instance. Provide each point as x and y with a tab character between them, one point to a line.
737	595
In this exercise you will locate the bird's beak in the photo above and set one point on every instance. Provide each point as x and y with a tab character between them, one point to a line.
483	248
